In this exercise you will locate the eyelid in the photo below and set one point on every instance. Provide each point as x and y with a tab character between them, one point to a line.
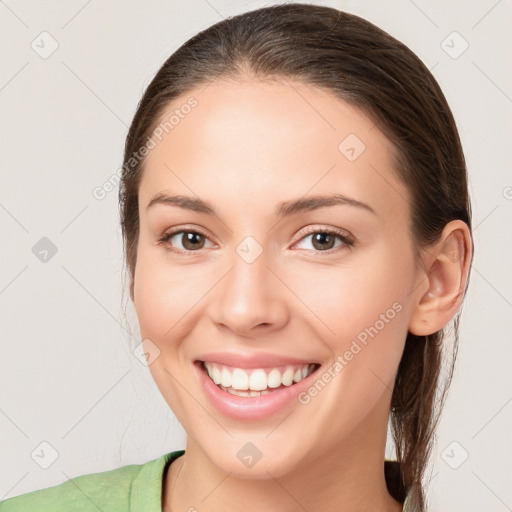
325	229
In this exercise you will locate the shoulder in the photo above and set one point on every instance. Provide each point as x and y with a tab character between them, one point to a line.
87	492
108	490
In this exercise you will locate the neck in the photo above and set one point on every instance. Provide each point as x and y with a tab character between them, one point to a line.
346	477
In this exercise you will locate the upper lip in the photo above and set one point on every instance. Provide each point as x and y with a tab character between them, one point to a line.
254	360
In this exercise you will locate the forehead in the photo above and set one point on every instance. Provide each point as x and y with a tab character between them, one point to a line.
249	139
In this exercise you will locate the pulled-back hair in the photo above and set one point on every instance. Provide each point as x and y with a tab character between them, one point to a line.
366	67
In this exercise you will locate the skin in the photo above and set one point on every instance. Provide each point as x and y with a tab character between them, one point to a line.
247	146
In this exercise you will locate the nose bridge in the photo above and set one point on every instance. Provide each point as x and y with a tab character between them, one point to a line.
248	283
250	294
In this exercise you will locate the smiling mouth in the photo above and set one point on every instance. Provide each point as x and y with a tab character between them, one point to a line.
256	381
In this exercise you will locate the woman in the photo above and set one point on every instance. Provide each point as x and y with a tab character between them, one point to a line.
297	230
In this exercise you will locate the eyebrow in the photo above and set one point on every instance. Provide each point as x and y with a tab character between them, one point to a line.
283	209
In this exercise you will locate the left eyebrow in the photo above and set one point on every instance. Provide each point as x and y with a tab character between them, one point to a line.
283	209
313	202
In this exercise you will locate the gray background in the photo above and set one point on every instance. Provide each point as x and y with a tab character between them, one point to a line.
68	377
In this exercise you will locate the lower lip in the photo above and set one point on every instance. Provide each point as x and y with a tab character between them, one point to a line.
251	408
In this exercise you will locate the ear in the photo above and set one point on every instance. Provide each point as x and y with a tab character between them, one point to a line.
443	280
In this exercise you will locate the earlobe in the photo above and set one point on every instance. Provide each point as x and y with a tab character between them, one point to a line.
447	271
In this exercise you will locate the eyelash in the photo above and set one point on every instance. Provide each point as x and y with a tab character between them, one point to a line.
338	233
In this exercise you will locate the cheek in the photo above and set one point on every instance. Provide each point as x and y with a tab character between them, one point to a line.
362	316
353	297
164	299
167	296
155	295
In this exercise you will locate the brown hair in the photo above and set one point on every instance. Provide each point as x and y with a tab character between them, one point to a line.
363	65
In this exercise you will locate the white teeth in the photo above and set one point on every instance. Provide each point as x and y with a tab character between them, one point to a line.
274	378
255	382
216	375
239	379
246	394
287	378
258	380
225	378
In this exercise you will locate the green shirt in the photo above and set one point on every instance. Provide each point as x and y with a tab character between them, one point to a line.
133	488
137	487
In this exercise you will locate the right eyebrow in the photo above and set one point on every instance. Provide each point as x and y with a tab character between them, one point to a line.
186	202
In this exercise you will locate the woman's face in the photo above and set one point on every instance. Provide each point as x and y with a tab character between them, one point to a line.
260	276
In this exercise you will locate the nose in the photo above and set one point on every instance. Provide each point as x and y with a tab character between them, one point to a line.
251	298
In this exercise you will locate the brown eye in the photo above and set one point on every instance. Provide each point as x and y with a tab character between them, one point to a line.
325	240
183	241
192	240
